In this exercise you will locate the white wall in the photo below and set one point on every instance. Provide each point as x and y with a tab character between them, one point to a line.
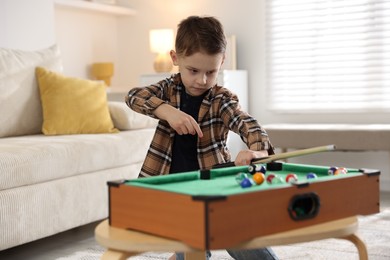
85	37
240	19
26	24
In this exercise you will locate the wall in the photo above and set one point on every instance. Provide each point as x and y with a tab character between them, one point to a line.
85	37
154	14
26	24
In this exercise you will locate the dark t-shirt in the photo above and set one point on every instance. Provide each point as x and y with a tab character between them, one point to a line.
184	150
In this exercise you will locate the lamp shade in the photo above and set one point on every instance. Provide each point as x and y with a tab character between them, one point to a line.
161	40
103	71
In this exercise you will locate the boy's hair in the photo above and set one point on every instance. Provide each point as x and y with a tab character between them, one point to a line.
200	34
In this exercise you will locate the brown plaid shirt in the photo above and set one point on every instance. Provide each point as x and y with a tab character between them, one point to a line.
219	113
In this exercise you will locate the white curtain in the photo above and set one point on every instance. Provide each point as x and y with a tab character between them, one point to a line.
328	55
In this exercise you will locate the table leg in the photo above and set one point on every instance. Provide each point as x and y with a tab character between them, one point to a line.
361	247
117	255
198	255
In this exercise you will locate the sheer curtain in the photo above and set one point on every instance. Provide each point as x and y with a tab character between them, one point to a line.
328	55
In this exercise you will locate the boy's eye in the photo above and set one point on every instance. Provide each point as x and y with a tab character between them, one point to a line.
194	71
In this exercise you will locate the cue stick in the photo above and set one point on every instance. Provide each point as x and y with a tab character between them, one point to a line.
296	153
285	155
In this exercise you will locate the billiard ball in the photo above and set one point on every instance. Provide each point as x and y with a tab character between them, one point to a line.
277	180
262	169
340	171
311	175
270	177
332	170
241	176
246	183
291	178
253	168
258	178
343	170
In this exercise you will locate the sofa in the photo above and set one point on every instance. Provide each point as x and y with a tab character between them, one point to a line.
60	142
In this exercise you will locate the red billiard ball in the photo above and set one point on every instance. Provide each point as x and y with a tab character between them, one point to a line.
270	177
258	178
291	178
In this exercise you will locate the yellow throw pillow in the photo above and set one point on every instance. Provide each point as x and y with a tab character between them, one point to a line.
73	105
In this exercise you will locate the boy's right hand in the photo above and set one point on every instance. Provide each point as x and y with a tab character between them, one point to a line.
181	122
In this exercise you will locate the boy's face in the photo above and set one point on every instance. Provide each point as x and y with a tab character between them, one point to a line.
199	71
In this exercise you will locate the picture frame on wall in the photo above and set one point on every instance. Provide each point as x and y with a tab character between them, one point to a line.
231	58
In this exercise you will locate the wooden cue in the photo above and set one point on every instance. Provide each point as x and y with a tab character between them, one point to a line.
296	153
286	155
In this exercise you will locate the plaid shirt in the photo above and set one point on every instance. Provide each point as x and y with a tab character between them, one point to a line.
219	113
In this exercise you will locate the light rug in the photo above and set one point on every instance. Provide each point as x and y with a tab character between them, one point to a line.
374	230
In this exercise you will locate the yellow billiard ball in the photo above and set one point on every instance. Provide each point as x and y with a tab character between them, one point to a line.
258	178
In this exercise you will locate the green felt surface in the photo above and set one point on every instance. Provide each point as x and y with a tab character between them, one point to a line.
223	180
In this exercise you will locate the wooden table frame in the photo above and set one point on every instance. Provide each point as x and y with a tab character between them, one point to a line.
123	243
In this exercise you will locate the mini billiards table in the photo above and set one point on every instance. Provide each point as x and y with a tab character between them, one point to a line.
210	210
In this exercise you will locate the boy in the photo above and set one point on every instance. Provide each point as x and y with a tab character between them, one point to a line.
195	115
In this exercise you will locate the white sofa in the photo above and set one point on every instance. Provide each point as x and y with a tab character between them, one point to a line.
52	183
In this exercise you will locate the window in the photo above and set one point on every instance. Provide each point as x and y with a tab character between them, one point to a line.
328	55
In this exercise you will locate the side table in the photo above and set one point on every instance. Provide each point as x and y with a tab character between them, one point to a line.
123	243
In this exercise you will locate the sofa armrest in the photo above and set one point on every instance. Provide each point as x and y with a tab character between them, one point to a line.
126	119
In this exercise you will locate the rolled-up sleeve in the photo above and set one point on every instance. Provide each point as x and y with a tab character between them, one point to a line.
143	100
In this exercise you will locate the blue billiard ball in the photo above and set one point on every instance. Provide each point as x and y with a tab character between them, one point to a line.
332	170
246	183
262	169
241	176
253	168
311	175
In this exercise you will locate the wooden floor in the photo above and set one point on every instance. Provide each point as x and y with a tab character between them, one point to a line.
75	240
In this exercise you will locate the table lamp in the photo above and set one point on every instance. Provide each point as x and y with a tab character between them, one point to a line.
161	42
103	71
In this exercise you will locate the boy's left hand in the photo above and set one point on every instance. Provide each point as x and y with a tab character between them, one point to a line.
245	157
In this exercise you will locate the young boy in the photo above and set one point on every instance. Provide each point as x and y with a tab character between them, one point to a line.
195	114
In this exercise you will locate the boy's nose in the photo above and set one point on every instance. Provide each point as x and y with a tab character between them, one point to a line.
202	79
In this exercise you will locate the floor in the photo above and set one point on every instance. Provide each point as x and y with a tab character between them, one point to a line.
77	239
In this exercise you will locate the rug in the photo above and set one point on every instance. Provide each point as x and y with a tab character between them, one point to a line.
374	230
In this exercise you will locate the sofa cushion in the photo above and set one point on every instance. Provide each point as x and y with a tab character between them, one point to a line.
20	105
34	159
126	119
72	105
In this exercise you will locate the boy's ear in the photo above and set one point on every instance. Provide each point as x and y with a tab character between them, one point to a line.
223	59
173	55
